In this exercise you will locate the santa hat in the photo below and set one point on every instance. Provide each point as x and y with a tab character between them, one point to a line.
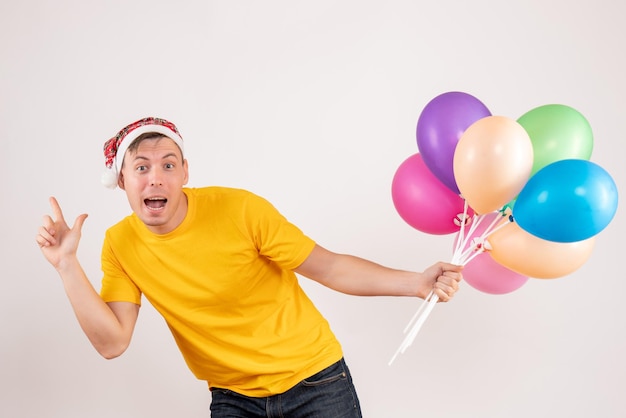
115	148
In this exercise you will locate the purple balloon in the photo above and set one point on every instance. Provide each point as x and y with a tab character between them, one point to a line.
439	128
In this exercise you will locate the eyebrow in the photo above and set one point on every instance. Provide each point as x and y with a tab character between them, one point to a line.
168	155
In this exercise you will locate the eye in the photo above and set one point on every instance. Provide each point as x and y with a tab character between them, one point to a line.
141	168
169	166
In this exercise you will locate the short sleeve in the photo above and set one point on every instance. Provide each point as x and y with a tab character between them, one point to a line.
275	237
116	285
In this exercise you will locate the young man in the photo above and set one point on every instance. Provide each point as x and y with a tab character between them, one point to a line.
219	264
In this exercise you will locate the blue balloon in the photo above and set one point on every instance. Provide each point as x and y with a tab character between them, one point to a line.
567	201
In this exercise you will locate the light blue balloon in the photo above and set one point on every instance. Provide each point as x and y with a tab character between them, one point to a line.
567	201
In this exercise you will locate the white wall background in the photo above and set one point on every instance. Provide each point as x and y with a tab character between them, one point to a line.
312	105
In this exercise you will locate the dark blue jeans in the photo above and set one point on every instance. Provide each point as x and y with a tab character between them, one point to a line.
327	394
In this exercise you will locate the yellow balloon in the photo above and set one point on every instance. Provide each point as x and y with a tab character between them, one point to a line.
492	162
529	255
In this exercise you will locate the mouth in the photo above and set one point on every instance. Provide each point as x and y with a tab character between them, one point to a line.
155	203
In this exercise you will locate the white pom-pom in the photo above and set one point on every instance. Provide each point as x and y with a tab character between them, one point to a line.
109	178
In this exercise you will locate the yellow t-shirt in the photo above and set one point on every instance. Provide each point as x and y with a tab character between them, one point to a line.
224	283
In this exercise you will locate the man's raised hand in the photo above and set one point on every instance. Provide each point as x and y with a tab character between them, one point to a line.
56	239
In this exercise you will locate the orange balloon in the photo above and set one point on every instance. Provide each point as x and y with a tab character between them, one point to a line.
492	162
529	255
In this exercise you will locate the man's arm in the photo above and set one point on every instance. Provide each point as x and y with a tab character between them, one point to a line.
357	276
109	327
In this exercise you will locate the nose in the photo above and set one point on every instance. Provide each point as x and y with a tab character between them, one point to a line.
155	178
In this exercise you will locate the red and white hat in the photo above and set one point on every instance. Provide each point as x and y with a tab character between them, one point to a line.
117	146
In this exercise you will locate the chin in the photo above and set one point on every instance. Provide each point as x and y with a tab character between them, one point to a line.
152	219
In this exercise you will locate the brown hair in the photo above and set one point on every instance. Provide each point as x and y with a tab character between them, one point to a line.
145	137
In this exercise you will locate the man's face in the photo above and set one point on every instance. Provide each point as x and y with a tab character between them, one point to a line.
153	177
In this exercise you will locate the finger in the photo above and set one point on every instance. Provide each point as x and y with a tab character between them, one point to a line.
452	275
448	282
442	295
48	223
451	267
445	292
47	230
44	238
448	286
80	220
56	209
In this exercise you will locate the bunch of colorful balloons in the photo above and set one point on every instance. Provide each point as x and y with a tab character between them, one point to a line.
521	195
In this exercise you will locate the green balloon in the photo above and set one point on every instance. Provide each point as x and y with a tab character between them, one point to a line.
557	132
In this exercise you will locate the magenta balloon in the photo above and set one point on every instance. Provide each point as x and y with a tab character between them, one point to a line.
439	128
423	201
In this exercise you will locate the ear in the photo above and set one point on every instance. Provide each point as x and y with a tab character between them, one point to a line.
186	169
120	181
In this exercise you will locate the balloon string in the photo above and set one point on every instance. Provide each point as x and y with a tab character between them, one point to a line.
490	227
419	318
426	307
419	311
460	252
465	254
503	222
418	325
463	237
476	253
459	242
459	256
479	246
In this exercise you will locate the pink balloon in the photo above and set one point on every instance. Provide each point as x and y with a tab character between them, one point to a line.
483	272
423	201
